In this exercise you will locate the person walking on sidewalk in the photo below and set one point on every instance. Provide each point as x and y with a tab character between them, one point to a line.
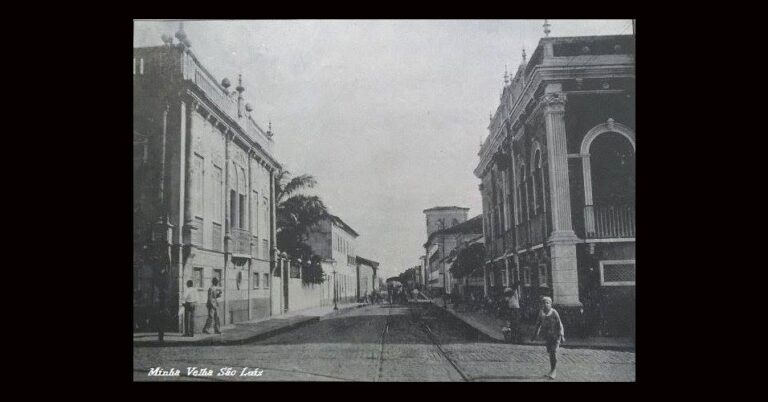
190	303
214	292
550	324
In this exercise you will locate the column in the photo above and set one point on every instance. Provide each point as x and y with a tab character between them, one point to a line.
563	240
589	212
485	280
187	110
227	212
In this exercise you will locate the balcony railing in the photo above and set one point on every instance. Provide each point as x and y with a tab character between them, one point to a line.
609	221
241	242
195	72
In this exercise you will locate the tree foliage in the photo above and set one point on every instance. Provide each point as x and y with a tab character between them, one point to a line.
467	260
296	214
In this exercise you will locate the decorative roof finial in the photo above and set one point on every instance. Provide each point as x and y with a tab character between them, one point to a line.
524	58
182	36
506	75
546	28
240	87
269	130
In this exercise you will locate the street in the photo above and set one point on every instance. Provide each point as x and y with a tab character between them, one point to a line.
383	343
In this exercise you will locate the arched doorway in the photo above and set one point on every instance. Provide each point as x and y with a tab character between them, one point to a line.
609	181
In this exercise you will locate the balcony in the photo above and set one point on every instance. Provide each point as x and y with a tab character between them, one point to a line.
609	221
241	242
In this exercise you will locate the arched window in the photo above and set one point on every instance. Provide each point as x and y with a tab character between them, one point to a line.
613	170
538	182
523	194
609	181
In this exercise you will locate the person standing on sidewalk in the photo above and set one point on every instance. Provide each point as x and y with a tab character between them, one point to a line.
552	327
214	292
512	307
190	303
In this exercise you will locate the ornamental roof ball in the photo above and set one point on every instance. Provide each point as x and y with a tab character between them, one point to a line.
225	83
166	38
248	107
284	254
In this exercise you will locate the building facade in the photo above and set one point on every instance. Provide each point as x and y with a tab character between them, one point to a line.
335	242
367	281
203	191
440	241
558	182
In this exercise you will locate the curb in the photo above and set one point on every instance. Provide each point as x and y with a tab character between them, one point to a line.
252	338
566	345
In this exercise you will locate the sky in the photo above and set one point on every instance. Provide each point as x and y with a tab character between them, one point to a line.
388	115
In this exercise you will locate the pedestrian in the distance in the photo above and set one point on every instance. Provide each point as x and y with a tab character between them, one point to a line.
190	303
549	324
214	292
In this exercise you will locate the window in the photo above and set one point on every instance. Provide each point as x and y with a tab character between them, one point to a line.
266	281
218	214
617	273
504	277
232	209
216	236
255	280
543	277
197	277
217	275
255	213
243	211
538	180
265	219
526	276
523	194
197	177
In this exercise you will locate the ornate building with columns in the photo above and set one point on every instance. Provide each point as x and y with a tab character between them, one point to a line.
557	177
203	192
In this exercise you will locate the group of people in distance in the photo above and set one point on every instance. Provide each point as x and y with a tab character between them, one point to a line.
548	324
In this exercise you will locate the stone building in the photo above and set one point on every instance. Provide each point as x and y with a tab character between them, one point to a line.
366	276
203	191
443	228
335	242
558	181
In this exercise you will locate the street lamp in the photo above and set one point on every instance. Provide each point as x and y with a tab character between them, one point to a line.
335	307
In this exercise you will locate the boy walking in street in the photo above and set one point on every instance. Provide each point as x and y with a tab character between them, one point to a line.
549	323
190	303
213	307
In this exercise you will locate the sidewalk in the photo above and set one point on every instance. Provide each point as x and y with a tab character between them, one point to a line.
244	332
491	326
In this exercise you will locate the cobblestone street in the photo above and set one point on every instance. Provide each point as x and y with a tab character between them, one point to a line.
385	343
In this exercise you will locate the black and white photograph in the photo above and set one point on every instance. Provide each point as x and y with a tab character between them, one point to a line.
415	200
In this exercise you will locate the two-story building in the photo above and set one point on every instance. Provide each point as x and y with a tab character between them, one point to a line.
558	181
440	242
203	191
335	243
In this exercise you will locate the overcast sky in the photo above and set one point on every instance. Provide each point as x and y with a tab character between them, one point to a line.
388	115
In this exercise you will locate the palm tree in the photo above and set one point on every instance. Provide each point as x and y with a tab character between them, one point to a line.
296	213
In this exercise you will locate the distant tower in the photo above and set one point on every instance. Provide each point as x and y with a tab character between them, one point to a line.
439	218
